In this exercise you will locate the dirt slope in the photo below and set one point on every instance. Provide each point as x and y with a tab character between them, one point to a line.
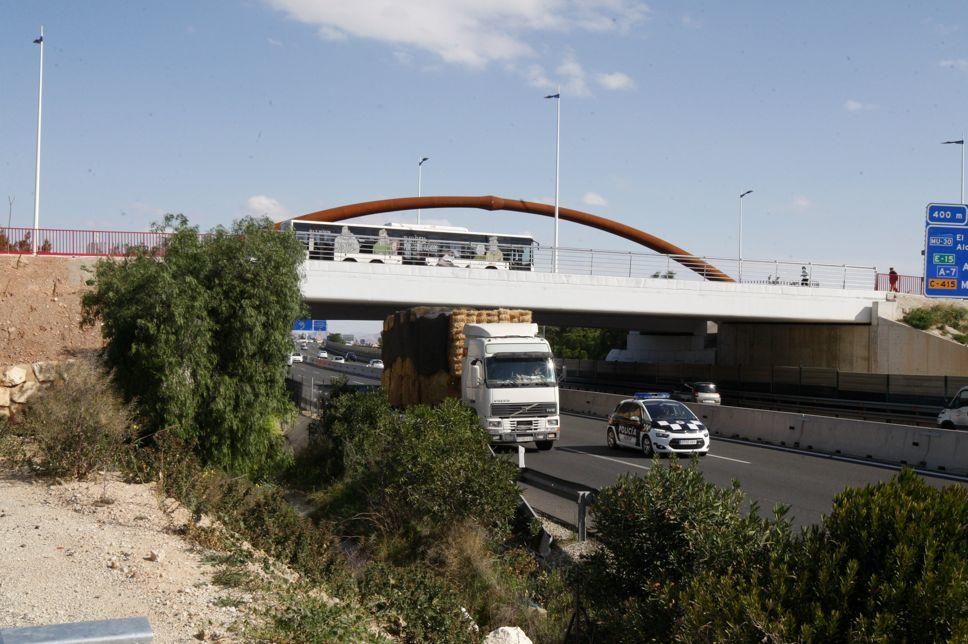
40	309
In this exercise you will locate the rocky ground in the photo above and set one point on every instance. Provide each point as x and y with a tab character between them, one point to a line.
40	309
85	551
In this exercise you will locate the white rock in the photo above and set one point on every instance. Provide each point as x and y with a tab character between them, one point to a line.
24	392
507	635
13	376
155	555
4	397
45	371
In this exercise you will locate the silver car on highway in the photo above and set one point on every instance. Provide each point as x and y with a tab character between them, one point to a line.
654	424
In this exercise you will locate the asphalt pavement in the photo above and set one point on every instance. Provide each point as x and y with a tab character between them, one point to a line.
805	482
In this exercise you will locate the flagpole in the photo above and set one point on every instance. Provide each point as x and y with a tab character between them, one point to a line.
557	97
40	111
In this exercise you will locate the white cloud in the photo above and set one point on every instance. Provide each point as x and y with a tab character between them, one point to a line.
961	64
535	74
572	76
274	42
263	206
801	203
465	32
594	199
403	57
856	106
616	81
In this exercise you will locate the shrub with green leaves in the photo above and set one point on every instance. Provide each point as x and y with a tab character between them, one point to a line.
199	336
658	532
79	424
887	565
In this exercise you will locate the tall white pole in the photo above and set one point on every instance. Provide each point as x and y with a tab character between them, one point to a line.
739	253
739	241
557	97
40	112
420	162
962	171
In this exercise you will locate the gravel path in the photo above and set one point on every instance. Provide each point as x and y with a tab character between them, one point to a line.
65	556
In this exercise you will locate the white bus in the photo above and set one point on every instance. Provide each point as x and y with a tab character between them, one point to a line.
414	245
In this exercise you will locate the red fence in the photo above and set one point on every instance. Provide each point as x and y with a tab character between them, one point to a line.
77	243
913	284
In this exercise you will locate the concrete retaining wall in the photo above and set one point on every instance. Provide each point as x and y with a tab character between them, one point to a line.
349	367
943	450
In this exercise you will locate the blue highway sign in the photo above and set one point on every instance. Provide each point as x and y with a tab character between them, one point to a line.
309	325
947	213
946	261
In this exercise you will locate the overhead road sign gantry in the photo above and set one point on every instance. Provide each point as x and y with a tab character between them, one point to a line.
946	261
947	213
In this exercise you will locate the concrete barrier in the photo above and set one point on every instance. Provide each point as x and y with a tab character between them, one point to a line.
942	450
349	367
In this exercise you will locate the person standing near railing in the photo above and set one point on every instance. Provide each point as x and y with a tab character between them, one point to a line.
892	280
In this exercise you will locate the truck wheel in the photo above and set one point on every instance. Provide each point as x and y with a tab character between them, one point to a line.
610	439
947	425
544	446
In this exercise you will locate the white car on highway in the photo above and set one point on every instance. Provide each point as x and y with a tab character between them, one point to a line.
322	354
955	414
339	359
376	364
295	357
654	424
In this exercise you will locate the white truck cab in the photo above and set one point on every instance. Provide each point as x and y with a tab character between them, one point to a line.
508	377
955	414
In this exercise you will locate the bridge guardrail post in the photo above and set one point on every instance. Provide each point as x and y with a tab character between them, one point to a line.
521	457
584	498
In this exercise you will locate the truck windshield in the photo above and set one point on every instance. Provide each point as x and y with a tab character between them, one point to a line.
519	370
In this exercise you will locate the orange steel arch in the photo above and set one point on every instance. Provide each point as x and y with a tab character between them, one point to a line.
657	244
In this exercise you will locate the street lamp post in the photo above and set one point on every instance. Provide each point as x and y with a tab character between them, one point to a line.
420	163
740	237
557	97
960	142
40	111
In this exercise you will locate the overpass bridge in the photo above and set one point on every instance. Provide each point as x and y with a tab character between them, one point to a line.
590	287
356	291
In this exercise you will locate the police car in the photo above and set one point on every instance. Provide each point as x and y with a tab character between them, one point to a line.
653	423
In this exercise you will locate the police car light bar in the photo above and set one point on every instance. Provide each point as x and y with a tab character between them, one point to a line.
645	395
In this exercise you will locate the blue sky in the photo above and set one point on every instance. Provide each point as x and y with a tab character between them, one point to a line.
832	113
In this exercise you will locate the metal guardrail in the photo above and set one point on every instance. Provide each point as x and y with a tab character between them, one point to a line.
583	495
78	243
587	261
911	284
127	630
899	413
476	255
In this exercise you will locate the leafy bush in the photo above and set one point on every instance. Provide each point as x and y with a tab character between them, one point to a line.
938	316
260	513
659	532
305	616
199	337
887	565
417	604
79	424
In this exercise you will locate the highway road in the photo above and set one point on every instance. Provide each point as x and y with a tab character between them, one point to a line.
805	482
312	376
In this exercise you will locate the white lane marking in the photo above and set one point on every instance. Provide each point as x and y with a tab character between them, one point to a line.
604	458
726	458
847	459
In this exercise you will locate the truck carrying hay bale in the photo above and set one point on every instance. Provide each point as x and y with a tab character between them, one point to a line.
424	349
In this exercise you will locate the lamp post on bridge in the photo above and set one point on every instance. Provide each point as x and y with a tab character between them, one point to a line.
420	163
557	97
740	236
40	111
960	142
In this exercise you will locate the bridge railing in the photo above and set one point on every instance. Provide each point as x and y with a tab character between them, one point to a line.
77	243
474	255
586	261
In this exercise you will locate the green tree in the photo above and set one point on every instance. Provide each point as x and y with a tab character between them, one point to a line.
198	335
583	343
